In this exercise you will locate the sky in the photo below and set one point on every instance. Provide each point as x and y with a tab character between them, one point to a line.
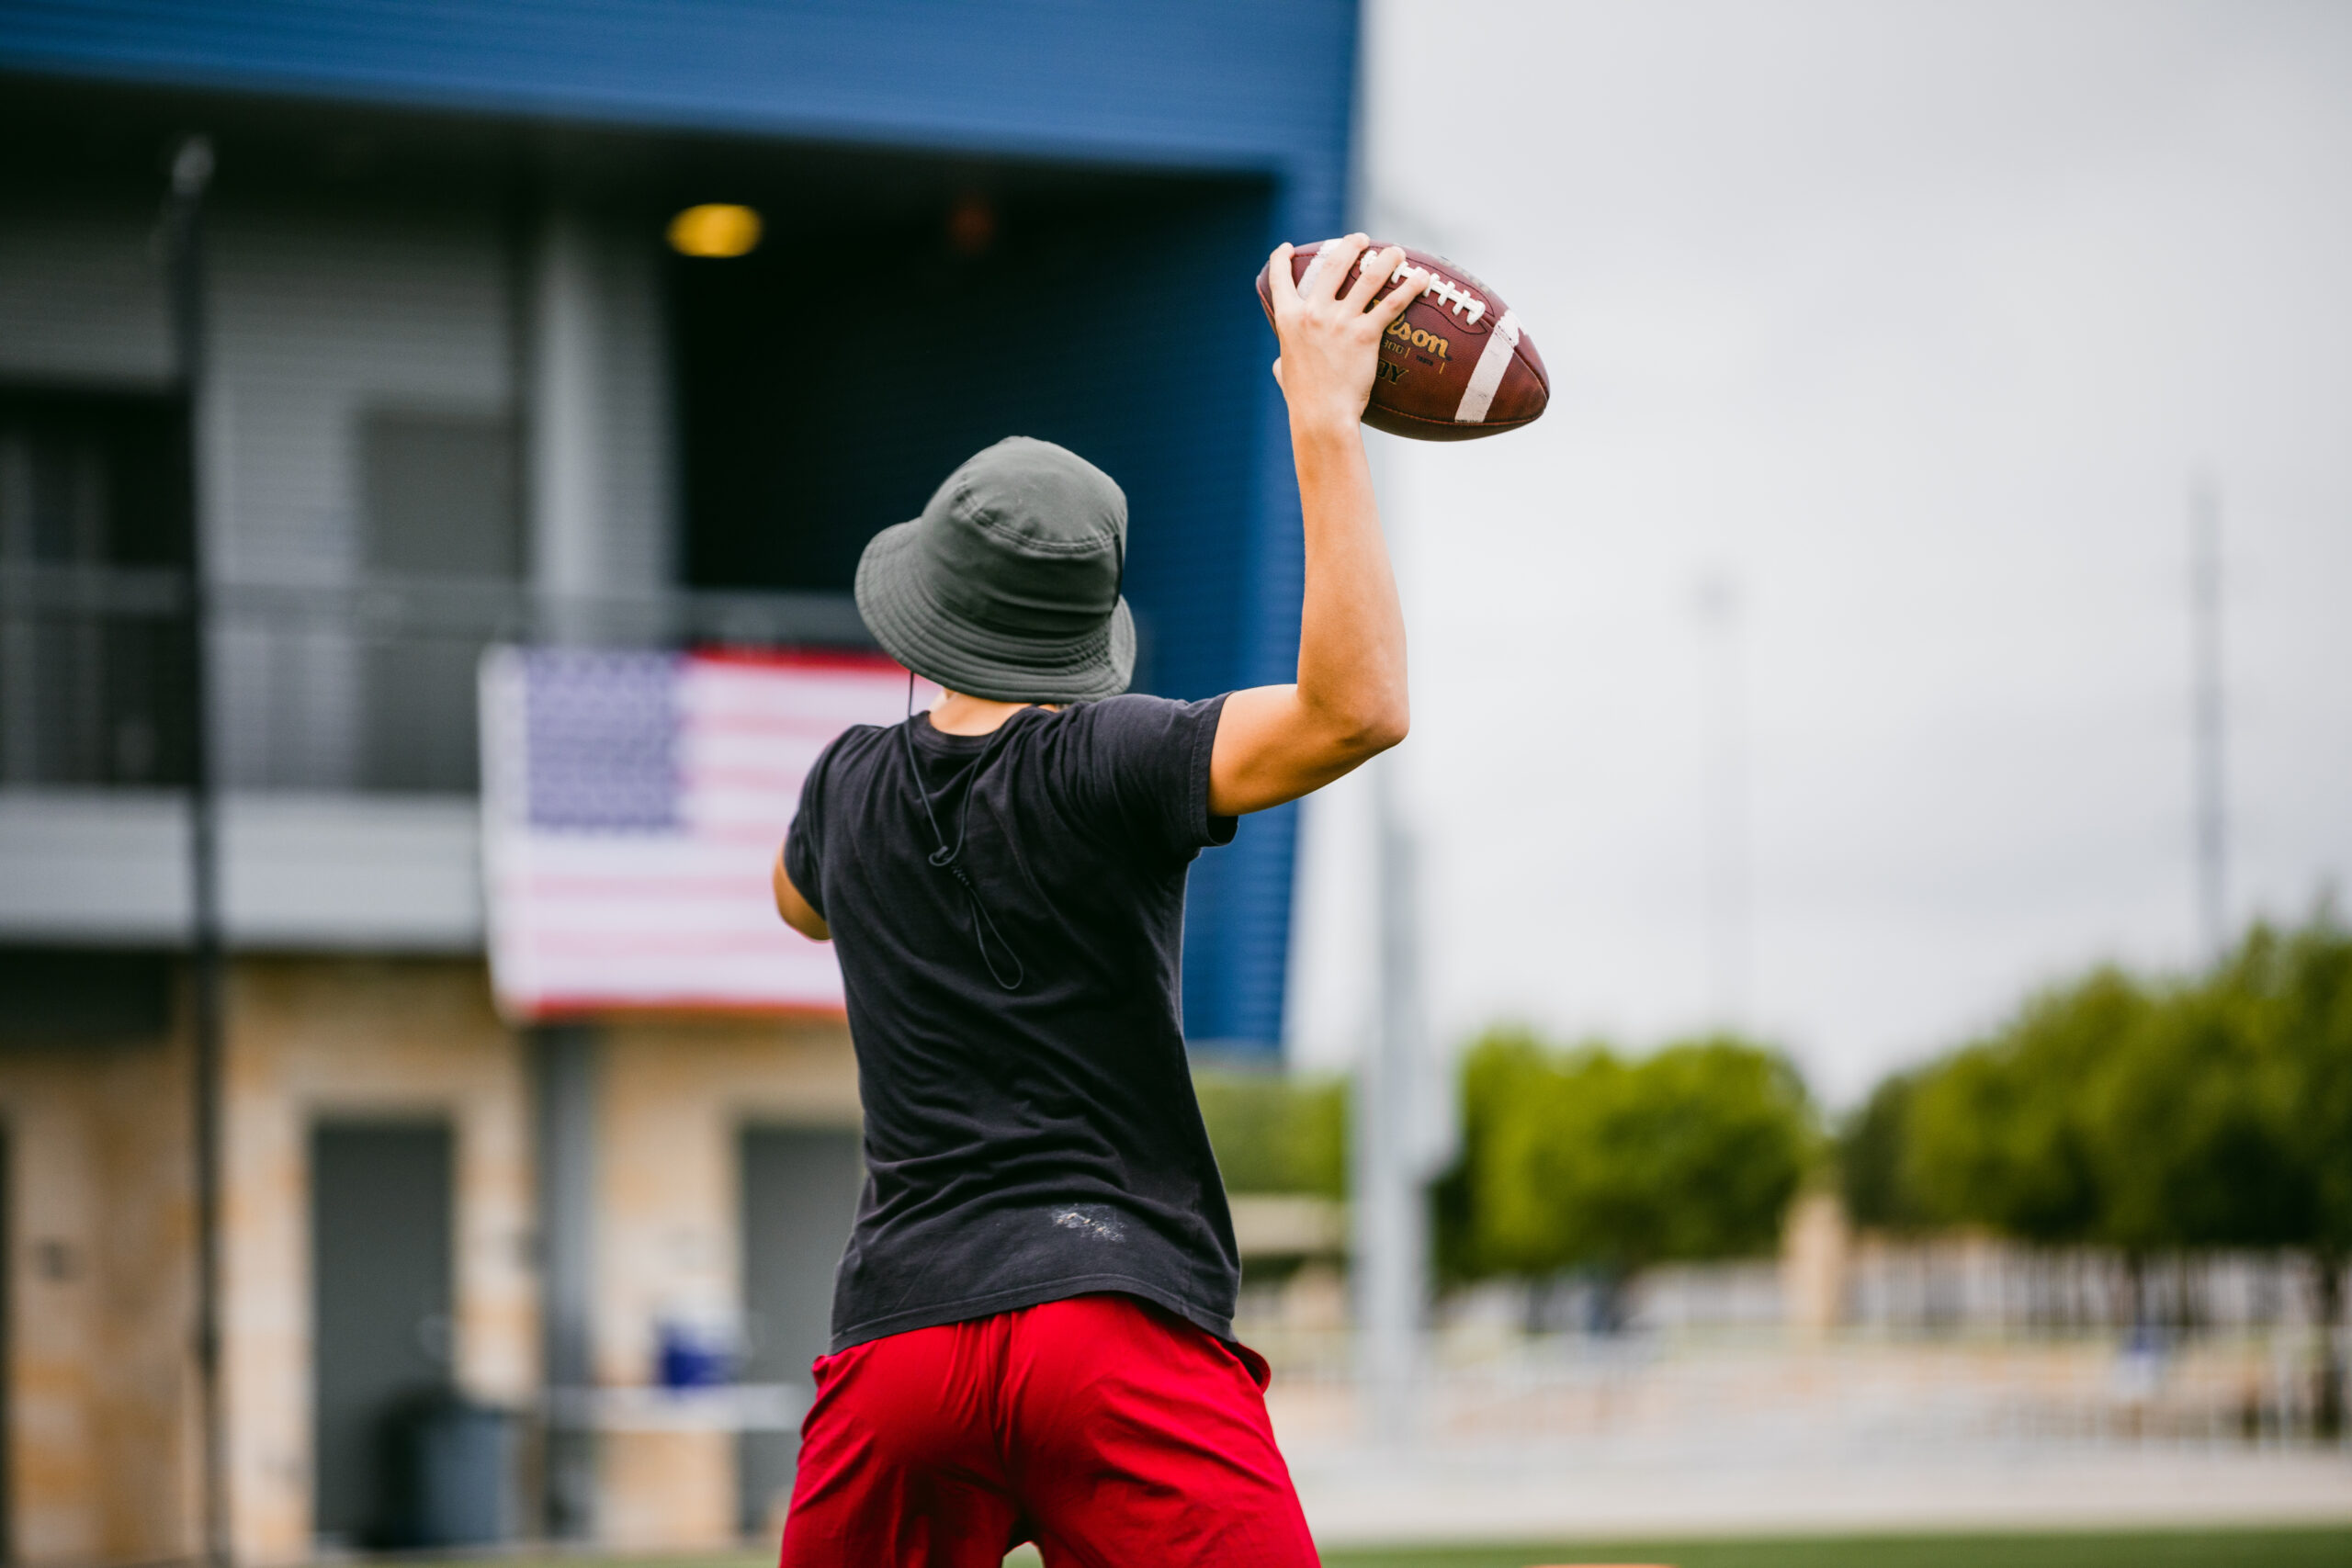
1900	333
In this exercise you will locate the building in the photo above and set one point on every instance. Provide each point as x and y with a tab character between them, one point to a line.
458	390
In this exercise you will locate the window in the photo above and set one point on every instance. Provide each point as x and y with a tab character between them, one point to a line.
94	542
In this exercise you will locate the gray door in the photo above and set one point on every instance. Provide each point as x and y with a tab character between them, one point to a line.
800	1187
380	1295
439	506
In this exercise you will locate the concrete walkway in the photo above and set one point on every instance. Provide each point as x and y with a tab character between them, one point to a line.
1588	1492
1764	1439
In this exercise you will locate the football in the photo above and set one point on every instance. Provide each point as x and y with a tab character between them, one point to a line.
1457	364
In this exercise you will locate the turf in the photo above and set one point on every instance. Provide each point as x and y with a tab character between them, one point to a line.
2164	1548
2214	1548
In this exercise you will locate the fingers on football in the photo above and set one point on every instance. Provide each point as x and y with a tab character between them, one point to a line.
1280	286
1342	255
1318	268
1377	269
1408	289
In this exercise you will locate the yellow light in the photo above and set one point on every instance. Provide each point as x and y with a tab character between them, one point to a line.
718	228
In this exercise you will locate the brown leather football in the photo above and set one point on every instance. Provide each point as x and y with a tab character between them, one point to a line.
1457	364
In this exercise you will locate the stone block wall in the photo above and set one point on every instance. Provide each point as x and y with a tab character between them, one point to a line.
102	1408
101	1309
673	1097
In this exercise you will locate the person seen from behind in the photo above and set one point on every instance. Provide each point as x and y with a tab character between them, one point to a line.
1032	1321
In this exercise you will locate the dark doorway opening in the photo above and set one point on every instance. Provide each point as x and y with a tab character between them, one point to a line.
799	1195
829	380
73	994
381	1294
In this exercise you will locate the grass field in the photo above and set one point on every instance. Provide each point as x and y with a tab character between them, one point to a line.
2217	1549
2166	1549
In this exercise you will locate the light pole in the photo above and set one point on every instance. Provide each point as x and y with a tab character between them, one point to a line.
183	219
1720	612
1391	1150
1403	1132
2208	738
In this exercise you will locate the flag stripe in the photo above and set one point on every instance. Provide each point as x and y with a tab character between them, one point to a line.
633	805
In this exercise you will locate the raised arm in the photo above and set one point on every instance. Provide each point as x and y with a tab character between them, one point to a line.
1276	743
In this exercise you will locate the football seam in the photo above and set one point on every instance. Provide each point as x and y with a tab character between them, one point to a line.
1519	353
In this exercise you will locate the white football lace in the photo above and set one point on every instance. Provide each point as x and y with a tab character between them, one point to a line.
1455	297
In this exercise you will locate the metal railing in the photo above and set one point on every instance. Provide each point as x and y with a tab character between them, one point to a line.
367	686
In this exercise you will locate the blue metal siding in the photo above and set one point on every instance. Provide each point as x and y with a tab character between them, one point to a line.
1213	85
1221	83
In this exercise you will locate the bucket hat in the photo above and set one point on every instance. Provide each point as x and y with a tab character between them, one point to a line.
1007	587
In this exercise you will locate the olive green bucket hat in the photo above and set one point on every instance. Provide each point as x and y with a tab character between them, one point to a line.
1006	586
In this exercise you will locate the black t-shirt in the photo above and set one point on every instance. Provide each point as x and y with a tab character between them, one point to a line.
1029	1144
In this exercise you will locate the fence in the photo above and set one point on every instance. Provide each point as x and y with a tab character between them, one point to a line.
1955	1343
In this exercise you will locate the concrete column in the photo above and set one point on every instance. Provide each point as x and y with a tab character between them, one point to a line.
564	1070
1815	1249
567	415
601	466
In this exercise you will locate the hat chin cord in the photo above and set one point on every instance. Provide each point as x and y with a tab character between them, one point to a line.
948	857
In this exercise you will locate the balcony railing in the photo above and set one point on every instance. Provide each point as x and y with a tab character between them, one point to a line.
368	686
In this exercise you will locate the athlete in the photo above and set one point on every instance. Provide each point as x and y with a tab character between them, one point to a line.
1032	1329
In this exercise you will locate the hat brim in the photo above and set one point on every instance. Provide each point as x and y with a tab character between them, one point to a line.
938	645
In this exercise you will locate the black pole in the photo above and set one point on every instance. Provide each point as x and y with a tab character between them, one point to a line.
191	174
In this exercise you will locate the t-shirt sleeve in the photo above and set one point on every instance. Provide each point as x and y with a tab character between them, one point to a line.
804	841
1145	766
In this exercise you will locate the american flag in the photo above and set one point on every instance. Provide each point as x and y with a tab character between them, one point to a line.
632	806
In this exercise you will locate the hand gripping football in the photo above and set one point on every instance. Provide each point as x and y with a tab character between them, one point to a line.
1454	366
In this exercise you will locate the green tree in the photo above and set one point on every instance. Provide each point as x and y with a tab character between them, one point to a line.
1585	1158
2312	1020
1276	1133
1496	1073
2000	1133
2207	1113
2186	1115
1872	1176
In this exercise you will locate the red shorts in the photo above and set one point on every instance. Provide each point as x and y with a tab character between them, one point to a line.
1106	1430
